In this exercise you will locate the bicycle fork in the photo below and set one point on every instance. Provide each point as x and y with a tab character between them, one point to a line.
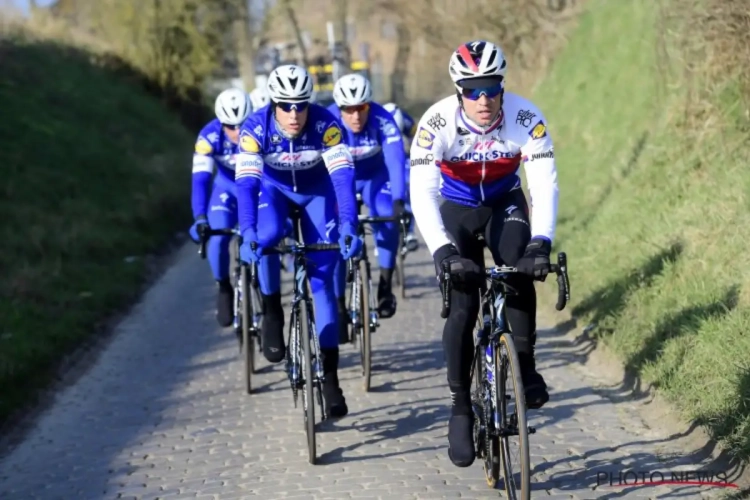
237	299
355	300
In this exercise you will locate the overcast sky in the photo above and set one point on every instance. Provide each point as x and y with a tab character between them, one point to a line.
24	4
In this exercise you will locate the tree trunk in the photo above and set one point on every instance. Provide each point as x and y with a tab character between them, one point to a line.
244	49
400	67
297	33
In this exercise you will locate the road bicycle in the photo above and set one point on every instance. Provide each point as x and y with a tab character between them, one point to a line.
245	284
497	396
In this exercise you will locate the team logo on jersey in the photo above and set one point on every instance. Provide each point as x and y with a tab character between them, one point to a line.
248	144
332	135
425	138
203	147
539	130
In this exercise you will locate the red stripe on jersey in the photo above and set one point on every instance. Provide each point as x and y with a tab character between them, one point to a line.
470	172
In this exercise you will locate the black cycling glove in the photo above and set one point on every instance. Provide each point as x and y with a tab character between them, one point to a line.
465	273
535	261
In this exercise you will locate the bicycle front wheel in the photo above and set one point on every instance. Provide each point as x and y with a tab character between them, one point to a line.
308	401
257	314
514	432
247	323
364	345
400	276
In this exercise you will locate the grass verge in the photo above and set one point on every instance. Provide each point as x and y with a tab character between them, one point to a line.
94	179
653	208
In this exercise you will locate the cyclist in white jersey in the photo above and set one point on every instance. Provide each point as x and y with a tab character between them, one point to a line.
465	181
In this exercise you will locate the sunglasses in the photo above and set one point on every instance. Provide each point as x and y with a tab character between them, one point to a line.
355	109
230	127
490	92
288	107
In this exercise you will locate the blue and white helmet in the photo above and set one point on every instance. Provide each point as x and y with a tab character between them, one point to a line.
398	116
352	90
259	97
232	107
290	83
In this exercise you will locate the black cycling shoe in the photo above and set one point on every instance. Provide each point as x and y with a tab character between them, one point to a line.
386	299
387	306
535	388
461	440
272	328
343	321
225	303
332	393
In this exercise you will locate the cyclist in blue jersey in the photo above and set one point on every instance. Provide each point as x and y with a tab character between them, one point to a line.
408	128
378	152
259	98
292	153
214	203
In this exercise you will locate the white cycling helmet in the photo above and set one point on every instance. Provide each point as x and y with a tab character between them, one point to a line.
232	107
398	116
352	90
290	83
258	98
478	60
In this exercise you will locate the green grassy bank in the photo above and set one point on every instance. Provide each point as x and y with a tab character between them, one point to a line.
654	215
94	171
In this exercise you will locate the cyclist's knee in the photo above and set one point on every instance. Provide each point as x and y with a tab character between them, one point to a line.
464	310
322	271
270	234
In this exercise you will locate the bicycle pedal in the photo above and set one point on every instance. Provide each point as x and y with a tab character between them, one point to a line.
532	430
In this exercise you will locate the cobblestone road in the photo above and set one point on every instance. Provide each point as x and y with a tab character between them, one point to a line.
162	414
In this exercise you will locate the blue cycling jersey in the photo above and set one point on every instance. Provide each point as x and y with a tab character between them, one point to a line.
303	164
212	149
410	126
379	144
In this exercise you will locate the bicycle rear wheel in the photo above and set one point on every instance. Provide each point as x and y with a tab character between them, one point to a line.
248	350
365	345
308	398
513	418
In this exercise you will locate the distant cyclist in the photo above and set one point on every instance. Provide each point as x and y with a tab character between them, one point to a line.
215	203
408	128
259	98
292	153
377	148
465	164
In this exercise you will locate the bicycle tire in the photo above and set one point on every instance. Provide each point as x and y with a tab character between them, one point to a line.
318	375
400	276
365	348
308	398
246	320
257	310
355	290
511	368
